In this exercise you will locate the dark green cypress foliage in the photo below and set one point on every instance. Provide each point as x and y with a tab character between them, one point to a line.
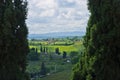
13	40
57	51
43	69
36	51
21	33
1	26
64	54
103	39
41	49
101	60
44	49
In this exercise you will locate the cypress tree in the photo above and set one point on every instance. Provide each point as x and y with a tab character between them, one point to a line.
41	49
44	49
57	51
64	54
13	39
43	69
101	60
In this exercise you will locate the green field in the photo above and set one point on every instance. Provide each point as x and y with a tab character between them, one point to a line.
76	46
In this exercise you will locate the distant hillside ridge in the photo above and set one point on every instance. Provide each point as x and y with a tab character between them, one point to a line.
55	35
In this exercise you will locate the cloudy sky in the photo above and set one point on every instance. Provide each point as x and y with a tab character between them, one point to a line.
47	16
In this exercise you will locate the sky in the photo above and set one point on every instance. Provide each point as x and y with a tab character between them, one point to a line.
48	16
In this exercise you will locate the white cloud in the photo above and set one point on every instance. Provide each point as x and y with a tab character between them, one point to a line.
44	4
46	16
71	1
47	13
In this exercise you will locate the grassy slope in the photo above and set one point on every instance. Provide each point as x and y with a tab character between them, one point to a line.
68	49
64	75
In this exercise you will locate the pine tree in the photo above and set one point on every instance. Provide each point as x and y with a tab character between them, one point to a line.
101	60
13	39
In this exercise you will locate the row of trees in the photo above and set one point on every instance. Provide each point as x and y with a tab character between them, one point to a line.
34	55
43	49
101	58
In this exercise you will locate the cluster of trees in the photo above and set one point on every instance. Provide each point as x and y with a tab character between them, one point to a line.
58	52
74	55
41	73
64	54
13	39
43	49
101	58
33	54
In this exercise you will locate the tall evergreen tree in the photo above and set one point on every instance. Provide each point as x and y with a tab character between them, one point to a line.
44	49
101	60
41	49
57	51
43	69
64	54
13	39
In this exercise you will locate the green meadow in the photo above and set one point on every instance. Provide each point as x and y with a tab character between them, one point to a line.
62	45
